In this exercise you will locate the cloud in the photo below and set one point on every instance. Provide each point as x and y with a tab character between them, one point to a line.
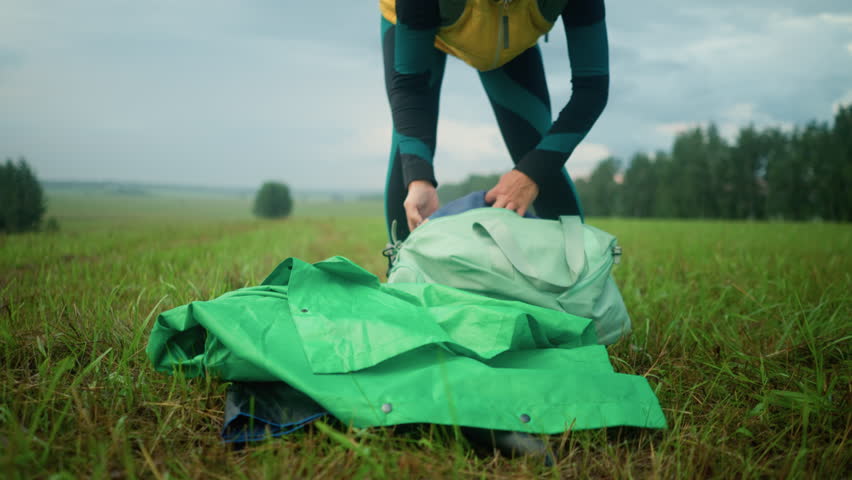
368	139
743	114
465	148
150	96
585	158
462	148
845	100
10	58
228	93
469	147
766	63
675	128
730	122
836	19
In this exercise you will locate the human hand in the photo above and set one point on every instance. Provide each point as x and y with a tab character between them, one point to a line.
421	202
515	191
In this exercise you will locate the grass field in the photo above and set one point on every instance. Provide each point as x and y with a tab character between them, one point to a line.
84	207
742	329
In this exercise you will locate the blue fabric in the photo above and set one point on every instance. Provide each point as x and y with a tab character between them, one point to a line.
256	411
254	429
465	203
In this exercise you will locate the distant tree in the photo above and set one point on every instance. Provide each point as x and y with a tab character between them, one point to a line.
639	187
664	197
52	225
718	158
826	188
832	165
273	200
743	193
584	193
776	177
842	133
691	168
21	197
600	196
790	179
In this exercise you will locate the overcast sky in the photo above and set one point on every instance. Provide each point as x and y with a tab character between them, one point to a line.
232	93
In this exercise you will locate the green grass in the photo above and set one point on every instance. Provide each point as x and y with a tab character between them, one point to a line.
80	207
742	329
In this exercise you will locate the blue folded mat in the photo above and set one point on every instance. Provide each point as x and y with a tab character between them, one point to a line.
465	203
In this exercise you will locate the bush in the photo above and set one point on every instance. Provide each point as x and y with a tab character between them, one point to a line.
52	225
21	197
273	201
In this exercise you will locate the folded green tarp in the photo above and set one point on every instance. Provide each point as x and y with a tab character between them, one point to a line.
377	354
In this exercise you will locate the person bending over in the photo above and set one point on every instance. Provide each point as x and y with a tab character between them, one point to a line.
499	39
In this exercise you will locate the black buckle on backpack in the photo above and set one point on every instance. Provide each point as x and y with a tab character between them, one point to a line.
391	248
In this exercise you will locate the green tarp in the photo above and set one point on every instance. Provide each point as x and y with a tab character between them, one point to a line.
382	354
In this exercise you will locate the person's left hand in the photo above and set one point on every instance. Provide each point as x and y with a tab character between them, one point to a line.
515	191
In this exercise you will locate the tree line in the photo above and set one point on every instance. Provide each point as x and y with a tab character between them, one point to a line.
800	174
769	173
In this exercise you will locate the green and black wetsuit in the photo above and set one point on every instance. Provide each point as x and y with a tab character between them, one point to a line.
517	90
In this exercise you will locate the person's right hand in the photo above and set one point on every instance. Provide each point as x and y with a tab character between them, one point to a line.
421	202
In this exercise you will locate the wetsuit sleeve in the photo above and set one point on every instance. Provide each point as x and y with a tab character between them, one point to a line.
585	30
411	89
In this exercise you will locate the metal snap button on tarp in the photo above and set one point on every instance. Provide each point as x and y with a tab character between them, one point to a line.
525	418
387	408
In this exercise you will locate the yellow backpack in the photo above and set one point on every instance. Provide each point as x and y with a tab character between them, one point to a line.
489	33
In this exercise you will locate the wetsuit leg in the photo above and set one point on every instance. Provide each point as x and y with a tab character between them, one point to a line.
400	85
521	102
